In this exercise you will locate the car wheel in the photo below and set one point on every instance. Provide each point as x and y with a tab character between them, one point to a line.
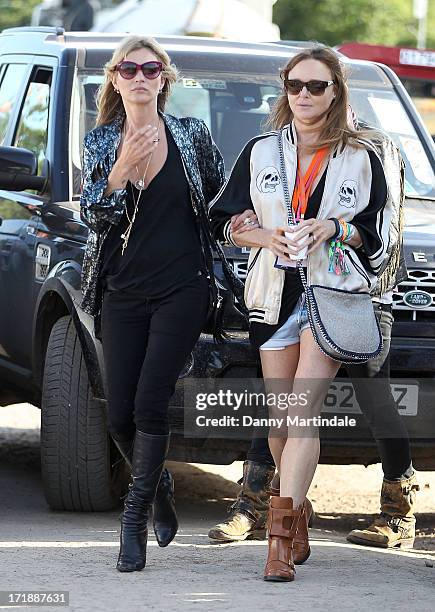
81	470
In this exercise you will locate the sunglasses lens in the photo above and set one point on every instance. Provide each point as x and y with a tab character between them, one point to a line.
317	88
151	70
293	86
127	70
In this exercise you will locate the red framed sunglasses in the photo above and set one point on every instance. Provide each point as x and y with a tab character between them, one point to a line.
128	69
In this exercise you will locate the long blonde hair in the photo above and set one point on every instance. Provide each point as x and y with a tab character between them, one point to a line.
336	129
109	103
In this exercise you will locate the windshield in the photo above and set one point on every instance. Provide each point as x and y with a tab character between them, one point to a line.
235	107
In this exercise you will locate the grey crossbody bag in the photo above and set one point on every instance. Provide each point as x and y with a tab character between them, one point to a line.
354	338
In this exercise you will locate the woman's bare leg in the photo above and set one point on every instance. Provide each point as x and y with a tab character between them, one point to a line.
280	365
300	455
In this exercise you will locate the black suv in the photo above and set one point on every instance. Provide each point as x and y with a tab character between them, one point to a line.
49	354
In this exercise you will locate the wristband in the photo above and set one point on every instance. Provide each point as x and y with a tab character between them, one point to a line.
351	233
337	228
343	230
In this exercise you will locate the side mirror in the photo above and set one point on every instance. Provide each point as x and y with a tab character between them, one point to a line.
18	168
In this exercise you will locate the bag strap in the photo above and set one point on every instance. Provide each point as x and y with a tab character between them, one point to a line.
288	202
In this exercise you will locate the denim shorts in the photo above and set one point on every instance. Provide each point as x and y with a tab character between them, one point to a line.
289	333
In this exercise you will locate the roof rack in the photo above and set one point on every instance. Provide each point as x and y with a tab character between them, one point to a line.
57	30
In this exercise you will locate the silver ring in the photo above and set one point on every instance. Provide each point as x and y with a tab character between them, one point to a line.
247	221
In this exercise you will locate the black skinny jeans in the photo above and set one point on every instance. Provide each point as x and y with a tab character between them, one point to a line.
146	342
377	404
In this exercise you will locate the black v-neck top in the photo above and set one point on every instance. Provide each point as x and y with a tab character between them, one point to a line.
163	250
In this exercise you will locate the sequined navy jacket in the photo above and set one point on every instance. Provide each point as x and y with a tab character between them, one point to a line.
204	169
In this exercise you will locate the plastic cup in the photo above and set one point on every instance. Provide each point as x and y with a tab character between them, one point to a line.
302	254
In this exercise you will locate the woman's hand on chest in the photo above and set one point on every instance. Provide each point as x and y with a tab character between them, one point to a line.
135	147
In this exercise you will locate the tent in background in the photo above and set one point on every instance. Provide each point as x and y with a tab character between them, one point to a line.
234	19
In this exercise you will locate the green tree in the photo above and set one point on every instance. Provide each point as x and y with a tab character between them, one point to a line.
16	12
336	21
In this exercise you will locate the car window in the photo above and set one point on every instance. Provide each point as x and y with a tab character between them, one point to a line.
10	85
382	109
32	127
235	107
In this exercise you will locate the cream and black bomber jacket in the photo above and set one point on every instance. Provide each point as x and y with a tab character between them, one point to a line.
349	193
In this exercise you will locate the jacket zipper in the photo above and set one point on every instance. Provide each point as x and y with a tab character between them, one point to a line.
359	268
252	264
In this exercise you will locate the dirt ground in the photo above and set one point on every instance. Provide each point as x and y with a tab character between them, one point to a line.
42	549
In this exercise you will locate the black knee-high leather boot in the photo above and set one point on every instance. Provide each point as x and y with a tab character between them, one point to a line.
149	453
124	444
165	521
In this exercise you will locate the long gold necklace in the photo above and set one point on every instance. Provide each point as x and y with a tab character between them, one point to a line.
140	185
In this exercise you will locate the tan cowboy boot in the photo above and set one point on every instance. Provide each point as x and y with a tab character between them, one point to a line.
395	526
282	525
248	514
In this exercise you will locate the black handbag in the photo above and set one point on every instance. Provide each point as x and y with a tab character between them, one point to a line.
219	293
356	336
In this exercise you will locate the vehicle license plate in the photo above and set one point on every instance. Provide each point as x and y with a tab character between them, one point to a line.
341	398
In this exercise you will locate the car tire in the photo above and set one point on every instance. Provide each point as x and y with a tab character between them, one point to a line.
81	471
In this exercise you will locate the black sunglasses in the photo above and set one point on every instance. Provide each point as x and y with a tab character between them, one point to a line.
128	69
315	88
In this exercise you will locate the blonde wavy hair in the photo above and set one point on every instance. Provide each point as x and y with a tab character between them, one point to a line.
109	103
336	129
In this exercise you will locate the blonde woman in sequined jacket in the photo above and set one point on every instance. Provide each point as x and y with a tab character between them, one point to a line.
148	268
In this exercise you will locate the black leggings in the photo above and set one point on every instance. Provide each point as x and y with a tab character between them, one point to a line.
146	342
377	405
259	451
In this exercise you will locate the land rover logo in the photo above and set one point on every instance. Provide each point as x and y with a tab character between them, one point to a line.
417	299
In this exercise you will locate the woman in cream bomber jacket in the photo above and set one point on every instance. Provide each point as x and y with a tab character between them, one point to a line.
346	188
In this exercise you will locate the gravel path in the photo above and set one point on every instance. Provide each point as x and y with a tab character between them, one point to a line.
41	549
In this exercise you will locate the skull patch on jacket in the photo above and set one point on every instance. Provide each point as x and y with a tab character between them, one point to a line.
348	194
268	180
